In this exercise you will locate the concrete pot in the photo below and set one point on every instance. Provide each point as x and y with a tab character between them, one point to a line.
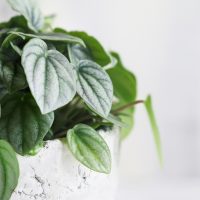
54	174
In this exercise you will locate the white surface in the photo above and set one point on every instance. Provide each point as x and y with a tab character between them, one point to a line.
161	190
54	174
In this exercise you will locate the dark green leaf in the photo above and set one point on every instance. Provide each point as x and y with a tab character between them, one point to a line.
125	89
11	38
17	23
3	90
154	126
124	82
49	74
95	87
9	170
94	51
30	10
14	22
22	123
89	148
3	34
61	117
9	45
13	77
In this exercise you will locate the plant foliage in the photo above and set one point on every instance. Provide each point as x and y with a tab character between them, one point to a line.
57	84
9	170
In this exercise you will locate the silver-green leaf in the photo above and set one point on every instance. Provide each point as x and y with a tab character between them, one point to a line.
95	87
22	123
49	74
55	37
77	52
89	148
9	170
95	51
30	10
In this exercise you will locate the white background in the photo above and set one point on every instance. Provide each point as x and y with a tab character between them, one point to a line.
159	40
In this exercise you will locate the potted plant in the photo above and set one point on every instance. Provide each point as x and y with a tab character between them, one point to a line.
66	104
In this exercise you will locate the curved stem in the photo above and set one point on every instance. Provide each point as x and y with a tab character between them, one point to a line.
127	106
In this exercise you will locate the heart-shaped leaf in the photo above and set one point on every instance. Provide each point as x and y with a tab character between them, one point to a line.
9	170
89	148
49	74
95	87
56	37
22	123
95	51
13	77
30	10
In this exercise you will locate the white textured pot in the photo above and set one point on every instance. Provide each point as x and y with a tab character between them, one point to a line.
54	174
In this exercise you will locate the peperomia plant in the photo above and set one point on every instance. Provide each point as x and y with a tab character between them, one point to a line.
59	84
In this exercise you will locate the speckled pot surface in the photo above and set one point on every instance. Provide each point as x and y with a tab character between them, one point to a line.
54	174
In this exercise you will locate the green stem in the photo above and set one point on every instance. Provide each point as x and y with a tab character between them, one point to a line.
60	134
122	108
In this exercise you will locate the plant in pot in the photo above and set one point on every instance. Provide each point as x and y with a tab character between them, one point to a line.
66	104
